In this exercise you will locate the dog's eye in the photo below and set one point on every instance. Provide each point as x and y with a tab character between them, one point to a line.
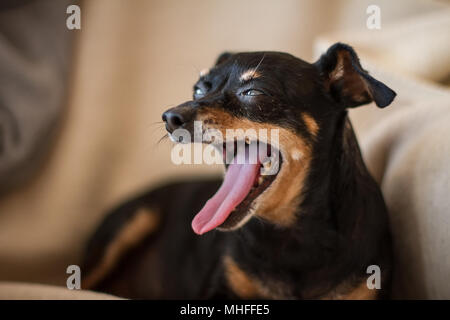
198	92
252	92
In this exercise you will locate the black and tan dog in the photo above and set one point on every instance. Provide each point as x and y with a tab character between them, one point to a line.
308	232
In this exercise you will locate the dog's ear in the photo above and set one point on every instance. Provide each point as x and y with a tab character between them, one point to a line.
223	57
347	82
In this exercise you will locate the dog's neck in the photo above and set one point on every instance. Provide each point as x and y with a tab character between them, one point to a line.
336	215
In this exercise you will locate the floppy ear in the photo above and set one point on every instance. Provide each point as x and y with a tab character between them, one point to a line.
223	57
347	82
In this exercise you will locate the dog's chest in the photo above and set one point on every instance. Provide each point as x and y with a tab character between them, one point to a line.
247	285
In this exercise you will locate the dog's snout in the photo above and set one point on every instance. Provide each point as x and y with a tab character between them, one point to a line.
173	120
176	118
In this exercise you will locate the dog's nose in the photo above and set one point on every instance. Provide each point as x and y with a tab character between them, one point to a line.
173	120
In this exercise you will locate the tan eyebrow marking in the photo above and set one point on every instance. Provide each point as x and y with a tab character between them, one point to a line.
249	74
204	72
311	124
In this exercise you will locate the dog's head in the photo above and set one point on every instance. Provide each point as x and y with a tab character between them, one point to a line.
283	105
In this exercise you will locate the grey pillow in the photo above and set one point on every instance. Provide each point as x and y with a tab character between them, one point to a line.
35	48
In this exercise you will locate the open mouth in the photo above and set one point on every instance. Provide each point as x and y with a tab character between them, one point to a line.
247	176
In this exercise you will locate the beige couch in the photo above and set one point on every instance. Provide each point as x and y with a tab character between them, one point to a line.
133	61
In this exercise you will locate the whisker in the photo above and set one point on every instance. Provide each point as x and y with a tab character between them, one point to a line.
155	127
156	123
162	138
259	63
197	70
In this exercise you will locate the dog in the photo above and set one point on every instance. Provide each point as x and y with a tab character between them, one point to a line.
309	231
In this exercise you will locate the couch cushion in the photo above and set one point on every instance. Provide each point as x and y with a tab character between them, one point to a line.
28	291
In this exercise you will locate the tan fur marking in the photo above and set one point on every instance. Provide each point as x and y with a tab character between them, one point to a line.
239	281
249	74
338	71
246	286
278	202
311	124
347	292
144	222
361	292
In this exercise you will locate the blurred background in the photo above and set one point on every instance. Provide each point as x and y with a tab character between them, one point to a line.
80	114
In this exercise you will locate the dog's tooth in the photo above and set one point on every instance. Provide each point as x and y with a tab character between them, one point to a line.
267	164
260	180
247	140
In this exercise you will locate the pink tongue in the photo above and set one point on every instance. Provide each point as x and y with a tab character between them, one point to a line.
236	185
